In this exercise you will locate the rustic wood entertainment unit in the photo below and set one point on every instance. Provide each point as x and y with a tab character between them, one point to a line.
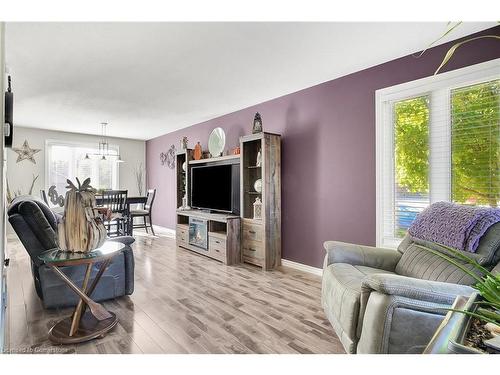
223	235
232	238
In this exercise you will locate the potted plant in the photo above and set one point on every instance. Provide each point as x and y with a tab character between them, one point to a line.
472	324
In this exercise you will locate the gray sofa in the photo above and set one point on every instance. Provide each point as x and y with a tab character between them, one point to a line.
36	227
392	301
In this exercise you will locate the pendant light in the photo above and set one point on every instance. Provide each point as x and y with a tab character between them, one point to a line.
104	147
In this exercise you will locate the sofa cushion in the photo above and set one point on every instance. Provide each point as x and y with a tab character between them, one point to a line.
423	264
27	202
487	253
341	296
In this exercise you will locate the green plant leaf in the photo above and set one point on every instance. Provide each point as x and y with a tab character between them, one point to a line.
449	30
452	50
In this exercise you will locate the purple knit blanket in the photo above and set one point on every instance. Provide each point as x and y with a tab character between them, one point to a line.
454	225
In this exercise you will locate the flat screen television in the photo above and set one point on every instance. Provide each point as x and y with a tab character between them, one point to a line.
216	187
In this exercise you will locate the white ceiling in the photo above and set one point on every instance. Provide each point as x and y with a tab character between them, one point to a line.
148	79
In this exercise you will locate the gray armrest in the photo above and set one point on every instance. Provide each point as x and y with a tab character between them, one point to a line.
496	269
418	289
358	255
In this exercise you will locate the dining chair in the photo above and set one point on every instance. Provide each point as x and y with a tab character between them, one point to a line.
116	201
145	213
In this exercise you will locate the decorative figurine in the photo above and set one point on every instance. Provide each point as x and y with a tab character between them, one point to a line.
236	150
257	209
198	152
257	124
258	162
184	203
184	143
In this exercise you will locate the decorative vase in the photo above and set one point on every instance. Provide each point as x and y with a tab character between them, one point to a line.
198	152
81	229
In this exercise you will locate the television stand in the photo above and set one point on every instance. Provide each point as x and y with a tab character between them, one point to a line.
223	232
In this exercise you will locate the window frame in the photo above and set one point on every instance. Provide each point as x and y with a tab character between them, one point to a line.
92	145
439	89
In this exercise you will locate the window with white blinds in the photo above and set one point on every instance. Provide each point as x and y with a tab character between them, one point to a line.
67	160
475	144
438	138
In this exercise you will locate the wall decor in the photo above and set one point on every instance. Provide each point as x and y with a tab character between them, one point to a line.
198	152
163	158
55	198
184	143
171	157
25	152
216	142
257	124
257	209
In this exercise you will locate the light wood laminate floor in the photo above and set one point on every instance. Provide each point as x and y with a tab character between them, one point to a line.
184	303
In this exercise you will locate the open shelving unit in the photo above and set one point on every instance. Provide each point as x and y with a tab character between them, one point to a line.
261	238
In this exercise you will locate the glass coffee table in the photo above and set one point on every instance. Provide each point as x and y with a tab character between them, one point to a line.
97	321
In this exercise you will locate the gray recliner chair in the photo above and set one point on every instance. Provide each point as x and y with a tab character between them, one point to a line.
36	227
392	301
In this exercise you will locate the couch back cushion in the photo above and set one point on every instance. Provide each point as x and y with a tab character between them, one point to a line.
487	253
423	264
35	225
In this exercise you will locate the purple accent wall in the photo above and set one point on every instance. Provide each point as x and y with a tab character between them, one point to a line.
328	151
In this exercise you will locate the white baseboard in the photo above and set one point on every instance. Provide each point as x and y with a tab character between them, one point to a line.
302	267
162	230
284	262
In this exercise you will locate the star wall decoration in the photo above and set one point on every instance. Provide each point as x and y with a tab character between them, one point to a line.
25	152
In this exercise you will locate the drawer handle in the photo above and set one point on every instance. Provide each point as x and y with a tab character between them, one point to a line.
251	249
217	241
251	231
218	251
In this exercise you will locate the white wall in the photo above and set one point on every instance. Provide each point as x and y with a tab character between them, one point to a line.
21	174
3	296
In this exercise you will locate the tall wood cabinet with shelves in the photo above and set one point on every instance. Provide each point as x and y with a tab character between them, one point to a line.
261	237
182	166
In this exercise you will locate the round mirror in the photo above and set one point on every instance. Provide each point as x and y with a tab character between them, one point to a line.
216	142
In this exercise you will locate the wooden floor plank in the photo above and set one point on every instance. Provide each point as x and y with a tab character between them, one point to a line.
184	303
